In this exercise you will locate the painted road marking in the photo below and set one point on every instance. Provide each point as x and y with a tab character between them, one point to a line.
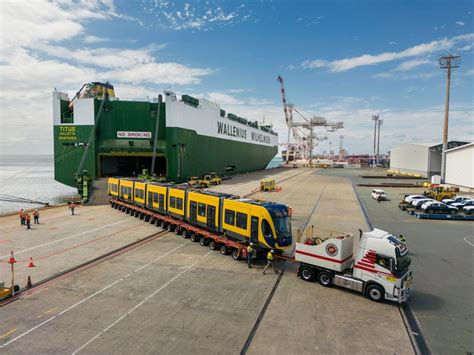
86	299
139	304
4	335
60	240
466	239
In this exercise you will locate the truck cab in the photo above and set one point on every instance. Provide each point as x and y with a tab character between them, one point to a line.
379	269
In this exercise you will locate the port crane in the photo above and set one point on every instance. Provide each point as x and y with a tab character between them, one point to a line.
305	140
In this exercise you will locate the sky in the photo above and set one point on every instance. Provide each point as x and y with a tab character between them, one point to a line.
342	60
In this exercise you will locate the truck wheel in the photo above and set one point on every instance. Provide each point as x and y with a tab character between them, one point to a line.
203	241
223	249
235	254
307	273
375	293
194	237
212	245
325	278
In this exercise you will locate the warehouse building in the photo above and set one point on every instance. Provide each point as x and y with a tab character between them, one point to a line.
460	166
419	158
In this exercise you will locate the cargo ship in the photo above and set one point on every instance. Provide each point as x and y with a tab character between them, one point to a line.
96	133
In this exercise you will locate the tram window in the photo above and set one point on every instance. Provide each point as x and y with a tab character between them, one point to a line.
129	192
229	217
266	229
155	197
179	203
137	195
241	220
202	209
172	201
162	200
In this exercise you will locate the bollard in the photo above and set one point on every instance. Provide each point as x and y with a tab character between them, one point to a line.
28	283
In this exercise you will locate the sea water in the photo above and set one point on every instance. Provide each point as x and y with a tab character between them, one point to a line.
30	177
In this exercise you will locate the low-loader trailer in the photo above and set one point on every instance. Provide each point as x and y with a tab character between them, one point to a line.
380	268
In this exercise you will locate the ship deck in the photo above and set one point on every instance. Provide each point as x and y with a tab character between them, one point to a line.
170	295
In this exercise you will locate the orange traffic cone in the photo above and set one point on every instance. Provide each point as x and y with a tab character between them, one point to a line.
28	283
30	264
12	258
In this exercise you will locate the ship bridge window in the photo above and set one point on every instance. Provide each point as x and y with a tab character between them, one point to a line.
202	209
229	217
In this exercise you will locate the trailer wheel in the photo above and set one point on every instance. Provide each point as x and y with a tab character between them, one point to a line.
325	278
203	241
375	293
157	222
177	230
213	245
170	227
307	273
164	225
223	249
235	254
194	237
185	233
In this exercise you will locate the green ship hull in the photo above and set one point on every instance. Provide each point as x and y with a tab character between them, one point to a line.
191	140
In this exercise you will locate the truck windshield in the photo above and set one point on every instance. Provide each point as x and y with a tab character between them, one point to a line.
403	262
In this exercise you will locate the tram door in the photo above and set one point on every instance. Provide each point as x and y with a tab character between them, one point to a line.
254	230
150	199
211	217
161	202
193	212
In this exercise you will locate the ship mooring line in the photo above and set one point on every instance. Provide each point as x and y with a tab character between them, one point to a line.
249	340
415	333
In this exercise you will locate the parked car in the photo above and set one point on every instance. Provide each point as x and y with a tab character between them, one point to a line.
449	201
464	203
419	202
379	195
438	207
427	203
468	209
410	198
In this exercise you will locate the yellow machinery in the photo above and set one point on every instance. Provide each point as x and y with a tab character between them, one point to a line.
5	292
440	192
215	179
267	185
194	181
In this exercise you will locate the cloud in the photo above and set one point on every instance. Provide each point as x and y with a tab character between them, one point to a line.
345	64
46	54
206	16
95	39
460	23
411	64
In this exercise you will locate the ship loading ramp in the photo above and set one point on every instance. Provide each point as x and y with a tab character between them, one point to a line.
129	164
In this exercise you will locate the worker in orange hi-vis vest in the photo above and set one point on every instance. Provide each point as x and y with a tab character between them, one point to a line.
22	216
28	221
72	206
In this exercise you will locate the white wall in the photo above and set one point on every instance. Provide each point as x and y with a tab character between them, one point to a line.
460	166
410	158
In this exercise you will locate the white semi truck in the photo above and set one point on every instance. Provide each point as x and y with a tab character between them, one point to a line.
380	268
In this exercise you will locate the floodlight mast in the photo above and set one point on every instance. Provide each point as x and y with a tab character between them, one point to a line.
448	62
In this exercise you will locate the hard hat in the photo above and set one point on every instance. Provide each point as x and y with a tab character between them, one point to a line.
251	244
272	251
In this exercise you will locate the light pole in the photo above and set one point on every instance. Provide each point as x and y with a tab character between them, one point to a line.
378	142
447	62
375	118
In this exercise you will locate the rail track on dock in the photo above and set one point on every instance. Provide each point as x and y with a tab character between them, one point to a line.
269	298
413	327
237	251
81	267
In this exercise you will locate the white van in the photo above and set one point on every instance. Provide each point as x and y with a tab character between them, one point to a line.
378	194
